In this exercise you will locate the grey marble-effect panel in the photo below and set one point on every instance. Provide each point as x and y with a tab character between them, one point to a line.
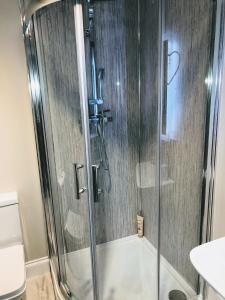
116	43
149	35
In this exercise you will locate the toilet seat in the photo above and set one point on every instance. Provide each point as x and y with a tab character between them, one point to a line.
12	272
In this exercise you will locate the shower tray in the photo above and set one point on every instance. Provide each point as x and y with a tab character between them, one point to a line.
126	270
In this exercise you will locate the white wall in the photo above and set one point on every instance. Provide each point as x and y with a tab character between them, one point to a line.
18	160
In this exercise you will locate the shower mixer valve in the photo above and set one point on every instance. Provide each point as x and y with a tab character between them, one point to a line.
100	117
97	113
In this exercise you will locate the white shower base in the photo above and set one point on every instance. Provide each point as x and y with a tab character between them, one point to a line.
127	270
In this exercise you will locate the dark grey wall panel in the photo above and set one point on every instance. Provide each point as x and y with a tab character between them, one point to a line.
117	52
149	55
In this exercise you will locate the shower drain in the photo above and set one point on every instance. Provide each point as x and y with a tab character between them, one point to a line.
177	295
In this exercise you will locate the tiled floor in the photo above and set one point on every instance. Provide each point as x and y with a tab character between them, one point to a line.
40	288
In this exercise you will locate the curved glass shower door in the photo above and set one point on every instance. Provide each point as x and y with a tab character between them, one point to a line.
67	144
190	38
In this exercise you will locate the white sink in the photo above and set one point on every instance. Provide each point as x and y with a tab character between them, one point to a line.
209	260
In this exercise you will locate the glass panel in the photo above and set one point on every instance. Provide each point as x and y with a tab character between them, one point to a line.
122	67
187	38
56	43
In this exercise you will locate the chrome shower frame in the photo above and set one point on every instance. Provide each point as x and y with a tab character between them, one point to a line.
214	82
55	241
55	245
31	6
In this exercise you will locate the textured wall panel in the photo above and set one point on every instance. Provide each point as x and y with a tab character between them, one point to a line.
116	52
149	55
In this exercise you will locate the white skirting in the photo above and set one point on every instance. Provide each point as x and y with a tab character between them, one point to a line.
37	267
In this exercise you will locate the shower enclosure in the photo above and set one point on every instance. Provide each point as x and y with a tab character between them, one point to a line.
125	101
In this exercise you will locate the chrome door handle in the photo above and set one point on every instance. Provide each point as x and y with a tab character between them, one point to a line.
96	190
78	190
165	85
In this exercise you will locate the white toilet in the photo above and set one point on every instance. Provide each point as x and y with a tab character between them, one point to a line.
12	263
